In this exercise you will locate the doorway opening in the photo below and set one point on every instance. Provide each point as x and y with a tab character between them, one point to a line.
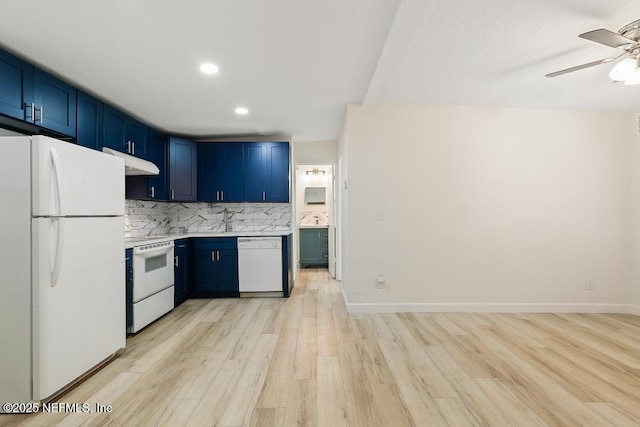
315	217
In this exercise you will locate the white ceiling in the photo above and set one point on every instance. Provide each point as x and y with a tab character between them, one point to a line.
296	64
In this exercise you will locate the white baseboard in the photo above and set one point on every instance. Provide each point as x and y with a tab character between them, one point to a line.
489	308
634	309
344	295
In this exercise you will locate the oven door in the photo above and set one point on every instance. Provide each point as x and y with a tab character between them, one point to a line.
152	269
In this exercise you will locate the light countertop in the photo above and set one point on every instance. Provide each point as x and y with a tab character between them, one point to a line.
138	241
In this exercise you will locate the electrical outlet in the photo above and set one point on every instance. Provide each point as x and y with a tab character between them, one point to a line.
588	285
380	281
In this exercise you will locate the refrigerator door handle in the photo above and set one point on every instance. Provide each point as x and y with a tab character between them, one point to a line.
55	159
55	275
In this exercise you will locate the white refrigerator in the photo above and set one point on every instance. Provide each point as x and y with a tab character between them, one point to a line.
62	273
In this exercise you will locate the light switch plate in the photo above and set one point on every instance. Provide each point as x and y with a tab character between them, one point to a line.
379	215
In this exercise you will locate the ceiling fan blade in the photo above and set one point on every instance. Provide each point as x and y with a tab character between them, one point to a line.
580	67
607	38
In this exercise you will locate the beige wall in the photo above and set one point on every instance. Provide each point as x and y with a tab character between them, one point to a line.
315	153
7	132
486	205
634	161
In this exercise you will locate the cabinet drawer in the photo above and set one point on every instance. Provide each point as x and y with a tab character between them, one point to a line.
180	243
217	243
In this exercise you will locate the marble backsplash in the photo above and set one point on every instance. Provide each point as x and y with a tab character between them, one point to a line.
146	218
311	218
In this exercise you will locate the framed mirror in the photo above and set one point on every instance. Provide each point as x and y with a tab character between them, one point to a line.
315	195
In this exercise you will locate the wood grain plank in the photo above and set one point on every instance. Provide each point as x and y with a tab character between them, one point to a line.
306	361
331	409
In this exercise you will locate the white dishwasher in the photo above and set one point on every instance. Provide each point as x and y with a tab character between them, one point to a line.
260	264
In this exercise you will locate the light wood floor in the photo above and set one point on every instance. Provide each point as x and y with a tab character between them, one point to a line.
305	361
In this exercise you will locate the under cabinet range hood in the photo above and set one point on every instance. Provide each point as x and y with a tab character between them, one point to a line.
134	165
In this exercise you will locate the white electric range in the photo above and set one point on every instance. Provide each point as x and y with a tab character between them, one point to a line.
153	277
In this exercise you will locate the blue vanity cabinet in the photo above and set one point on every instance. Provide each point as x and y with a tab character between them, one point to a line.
215	267
220	172
182	169
89	121
16	87
314	247
182	271
266	172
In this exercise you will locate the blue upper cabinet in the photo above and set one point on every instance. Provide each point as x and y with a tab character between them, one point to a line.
266	172
114	129
220	172
277	172
182	169
89	121
157	154
207	185
33	96
55	104
124	133
16	87
255	155
136	135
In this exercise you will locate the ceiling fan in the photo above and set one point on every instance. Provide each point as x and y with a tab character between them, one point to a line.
626	39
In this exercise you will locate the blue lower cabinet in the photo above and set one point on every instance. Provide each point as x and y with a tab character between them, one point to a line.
182	271
215	267
128	258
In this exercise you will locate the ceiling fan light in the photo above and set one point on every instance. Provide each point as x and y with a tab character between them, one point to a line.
623	70
633	78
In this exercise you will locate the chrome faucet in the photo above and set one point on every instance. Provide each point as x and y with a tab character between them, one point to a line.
227	224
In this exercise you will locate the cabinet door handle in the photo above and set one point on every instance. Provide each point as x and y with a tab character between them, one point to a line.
177	262
213	256
153	192
217	196
33	111
218	256
41	109
264	196
172	195
133	144
222	196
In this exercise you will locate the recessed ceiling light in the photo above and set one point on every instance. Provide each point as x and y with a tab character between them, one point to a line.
209	68
242	111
